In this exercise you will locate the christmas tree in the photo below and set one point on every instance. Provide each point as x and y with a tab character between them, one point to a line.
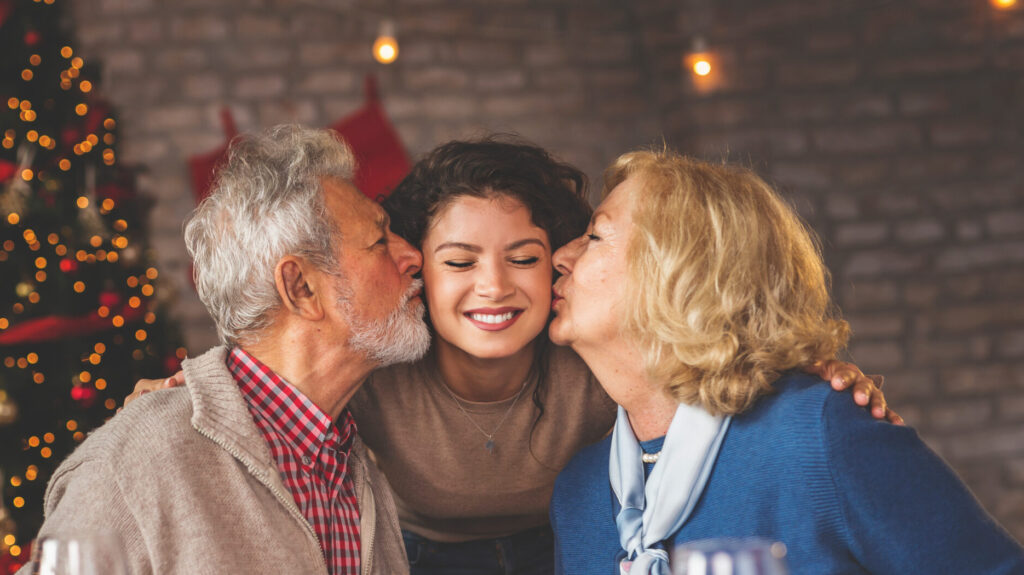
80	313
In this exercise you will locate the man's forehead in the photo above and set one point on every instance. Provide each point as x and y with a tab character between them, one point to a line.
352	207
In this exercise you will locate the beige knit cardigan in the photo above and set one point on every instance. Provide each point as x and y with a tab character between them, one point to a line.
185	479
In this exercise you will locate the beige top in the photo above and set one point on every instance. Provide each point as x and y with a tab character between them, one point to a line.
447	486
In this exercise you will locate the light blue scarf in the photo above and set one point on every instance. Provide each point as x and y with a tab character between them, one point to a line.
653	512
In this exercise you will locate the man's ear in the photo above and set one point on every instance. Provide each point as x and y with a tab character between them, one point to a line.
298	285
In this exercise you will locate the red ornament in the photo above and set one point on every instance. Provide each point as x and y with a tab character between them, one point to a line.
32	38
9	564
85	395
68	265
7	170
111	299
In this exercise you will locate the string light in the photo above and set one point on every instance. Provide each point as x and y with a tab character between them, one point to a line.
385	47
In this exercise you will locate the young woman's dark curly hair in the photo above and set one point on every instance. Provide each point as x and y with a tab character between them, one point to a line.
554	192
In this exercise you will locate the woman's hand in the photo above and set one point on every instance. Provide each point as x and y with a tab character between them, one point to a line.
144	386
866	389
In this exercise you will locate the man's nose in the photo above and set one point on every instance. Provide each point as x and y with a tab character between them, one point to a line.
408	259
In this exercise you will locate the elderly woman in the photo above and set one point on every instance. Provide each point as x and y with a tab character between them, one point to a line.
692	297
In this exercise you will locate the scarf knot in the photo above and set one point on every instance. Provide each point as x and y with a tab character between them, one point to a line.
654	510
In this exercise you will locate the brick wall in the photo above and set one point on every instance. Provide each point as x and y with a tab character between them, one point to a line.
896	128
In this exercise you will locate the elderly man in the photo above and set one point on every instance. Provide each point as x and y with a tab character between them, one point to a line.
255	465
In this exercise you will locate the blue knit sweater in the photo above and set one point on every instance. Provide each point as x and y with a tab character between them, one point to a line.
806	466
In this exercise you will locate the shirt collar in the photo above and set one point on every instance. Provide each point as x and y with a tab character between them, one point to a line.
303	425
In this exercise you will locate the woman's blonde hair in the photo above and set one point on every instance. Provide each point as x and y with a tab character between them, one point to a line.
727	288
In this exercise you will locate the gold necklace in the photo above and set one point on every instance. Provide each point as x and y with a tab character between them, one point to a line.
490	436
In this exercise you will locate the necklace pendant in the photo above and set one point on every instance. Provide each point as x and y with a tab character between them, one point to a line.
490	446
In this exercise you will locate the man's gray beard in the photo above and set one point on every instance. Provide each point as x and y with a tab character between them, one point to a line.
401	337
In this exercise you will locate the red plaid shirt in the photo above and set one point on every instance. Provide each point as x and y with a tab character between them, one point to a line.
312	455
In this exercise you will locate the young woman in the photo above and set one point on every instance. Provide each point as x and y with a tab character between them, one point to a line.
472	437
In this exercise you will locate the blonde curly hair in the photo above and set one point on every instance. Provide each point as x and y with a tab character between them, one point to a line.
727	288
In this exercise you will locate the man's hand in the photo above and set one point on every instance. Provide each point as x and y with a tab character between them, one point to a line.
867	389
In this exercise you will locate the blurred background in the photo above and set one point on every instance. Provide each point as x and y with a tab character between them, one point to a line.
895	127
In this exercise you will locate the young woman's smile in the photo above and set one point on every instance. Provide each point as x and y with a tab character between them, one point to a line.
487	272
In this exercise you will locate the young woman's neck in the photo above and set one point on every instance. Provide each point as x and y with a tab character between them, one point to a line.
483	379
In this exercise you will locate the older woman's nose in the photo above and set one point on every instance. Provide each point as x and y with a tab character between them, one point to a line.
566	256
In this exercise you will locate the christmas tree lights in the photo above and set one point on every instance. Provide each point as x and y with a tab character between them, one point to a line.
80	302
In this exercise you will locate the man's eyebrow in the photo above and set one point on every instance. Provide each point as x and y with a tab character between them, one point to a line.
458	245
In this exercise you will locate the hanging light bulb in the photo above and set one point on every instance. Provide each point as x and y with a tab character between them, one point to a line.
1004	4
385	47
699	60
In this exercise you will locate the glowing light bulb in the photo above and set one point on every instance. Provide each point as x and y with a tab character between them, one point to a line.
702	67
1004	4
385	47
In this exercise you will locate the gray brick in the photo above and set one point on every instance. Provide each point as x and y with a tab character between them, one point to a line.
181	58
876	325
499	80
961	133
877	357
1011	408
259	87
98	33
327	82
449	78
1011	344
995	442
972	257
258	27
1005	223
814	74
883	262
870	294
877	138
967	230
920	231
145	29
977	380
203	86
842	207
199	28
860	234
966	414
290	111
123	62
179	117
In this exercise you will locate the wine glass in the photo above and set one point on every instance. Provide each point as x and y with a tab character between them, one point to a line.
79	554
744	556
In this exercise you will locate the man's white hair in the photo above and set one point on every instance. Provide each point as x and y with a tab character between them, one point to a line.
267	202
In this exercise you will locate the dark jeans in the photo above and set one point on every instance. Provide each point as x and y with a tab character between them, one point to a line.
529	552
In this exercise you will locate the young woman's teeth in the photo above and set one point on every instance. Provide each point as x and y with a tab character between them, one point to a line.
490	318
